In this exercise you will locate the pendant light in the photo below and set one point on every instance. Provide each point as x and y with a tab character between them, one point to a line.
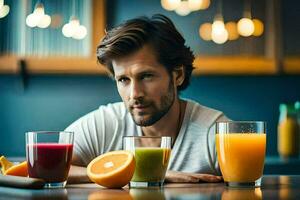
73	28
4	9
246	25
38	18
219	33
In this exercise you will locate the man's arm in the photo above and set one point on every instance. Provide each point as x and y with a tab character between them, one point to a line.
183	177
77	172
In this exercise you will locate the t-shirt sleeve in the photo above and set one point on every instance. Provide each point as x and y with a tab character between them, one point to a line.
94	133
212	146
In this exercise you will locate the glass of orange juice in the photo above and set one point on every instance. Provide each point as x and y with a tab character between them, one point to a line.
241	147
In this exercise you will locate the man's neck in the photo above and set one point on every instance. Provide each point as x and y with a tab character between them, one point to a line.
170	124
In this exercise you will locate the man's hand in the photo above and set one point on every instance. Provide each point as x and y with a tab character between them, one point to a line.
78	175
182	177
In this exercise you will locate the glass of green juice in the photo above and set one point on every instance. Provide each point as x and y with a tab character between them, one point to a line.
152	156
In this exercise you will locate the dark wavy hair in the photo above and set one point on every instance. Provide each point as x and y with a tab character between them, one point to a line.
158	32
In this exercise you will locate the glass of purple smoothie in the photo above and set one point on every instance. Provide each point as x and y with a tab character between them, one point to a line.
49	155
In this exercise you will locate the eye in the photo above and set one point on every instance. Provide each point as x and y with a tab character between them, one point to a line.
147	76
123	80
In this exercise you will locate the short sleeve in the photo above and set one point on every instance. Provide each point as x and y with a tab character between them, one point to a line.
96	132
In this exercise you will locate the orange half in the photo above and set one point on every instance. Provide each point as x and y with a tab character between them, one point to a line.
5	164
18	170
113	169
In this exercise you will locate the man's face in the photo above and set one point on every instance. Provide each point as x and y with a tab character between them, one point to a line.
145	86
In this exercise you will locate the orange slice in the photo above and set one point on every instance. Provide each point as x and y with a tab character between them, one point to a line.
113	169
18	170
5	164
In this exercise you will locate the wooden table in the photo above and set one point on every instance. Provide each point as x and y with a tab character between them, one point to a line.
273	187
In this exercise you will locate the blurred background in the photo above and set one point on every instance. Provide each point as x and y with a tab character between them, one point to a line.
248	63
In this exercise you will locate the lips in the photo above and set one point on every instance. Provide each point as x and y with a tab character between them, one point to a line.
140	107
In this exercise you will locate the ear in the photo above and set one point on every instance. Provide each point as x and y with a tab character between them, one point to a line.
178	75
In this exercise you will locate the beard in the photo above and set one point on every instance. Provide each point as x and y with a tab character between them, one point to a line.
156	112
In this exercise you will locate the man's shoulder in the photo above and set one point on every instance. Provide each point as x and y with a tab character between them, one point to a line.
110	113
112	110
199	109
204	114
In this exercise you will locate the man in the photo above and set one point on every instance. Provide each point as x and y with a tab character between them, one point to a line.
150	63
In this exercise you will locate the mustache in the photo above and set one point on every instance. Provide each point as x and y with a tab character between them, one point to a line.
138	102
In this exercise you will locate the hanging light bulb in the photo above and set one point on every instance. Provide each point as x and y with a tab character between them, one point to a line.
218	26
220	38
218	33
74	23
67	30
258	27
80	33
170	4
231	28
37	15
195	4
39	10
38	18
44	22
74	29
205	31
31	20
183	8
70	28
245	27
4	9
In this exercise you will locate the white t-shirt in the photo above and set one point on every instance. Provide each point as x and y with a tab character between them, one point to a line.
194	150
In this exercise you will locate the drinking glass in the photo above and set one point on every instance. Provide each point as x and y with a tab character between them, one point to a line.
49	155
152	156
241	147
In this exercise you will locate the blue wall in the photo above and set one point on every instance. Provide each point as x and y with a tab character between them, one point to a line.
48	103
53	102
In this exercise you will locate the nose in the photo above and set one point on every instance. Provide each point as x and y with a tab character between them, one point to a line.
136	90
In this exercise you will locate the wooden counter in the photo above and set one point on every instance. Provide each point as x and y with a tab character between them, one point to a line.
273	187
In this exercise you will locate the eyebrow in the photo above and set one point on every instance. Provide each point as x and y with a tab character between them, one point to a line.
118	77
146	72
138	74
